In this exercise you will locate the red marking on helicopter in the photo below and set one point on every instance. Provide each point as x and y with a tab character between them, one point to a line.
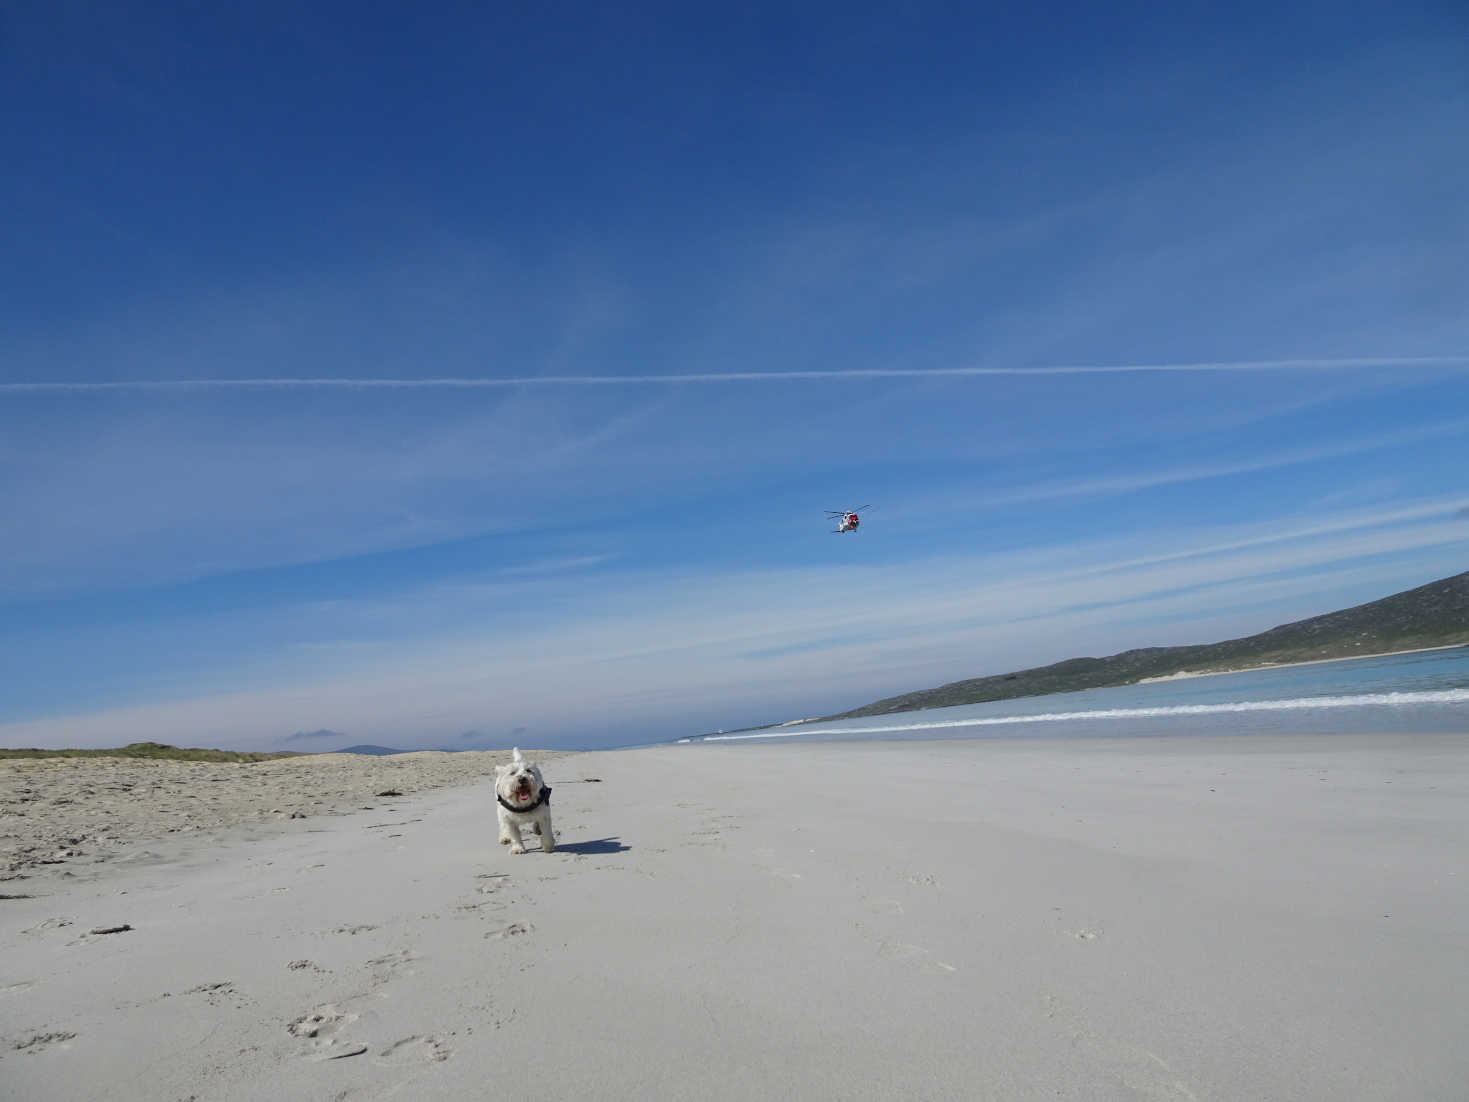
847	519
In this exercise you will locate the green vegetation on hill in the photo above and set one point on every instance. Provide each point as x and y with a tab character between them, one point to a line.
156	750
1433	615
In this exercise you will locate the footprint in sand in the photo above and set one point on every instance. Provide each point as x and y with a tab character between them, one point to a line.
414	1050
1080	933
322	1023
321	1027
48	924
915	955
216	993
1146	1074
912	956
470	910
389	965
41	1041
515	929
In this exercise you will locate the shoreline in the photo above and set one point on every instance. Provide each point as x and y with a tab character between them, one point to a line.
1183	675
1180	675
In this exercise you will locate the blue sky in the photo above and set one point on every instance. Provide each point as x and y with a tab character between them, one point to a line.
1135	325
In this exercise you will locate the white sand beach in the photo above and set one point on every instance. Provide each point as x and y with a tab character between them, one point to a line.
1194	919
1184	675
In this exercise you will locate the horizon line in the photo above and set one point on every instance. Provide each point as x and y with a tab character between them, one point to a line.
450	383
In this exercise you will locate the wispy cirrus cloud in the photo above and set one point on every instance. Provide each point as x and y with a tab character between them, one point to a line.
156	495
1179	473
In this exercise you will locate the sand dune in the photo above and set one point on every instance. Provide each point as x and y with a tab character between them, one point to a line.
81	810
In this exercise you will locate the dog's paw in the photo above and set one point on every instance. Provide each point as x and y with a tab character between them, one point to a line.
504	841
517	849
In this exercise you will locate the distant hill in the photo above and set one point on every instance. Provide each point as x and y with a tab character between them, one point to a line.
368	749
1432	615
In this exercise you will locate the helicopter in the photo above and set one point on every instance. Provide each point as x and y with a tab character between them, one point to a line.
847	519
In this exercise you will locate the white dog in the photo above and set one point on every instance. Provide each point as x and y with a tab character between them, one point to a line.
523	798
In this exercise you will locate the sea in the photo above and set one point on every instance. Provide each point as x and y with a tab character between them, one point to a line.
1418	692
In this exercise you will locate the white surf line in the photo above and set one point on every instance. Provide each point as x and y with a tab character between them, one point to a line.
851	375
1433	696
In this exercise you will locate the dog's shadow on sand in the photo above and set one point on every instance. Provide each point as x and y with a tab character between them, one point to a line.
600	845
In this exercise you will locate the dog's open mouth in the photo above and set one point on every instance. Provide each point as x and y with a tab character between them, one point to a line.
522	792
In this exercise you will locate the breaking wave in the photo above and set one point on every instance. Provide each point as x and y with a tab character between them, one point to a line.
1361	700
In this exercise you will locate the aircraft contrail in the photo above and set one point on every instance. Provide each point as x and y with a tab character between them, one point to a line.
850	375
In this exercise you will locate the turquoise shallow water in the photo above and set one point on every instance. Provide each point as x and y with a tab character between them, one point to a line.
1425	692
